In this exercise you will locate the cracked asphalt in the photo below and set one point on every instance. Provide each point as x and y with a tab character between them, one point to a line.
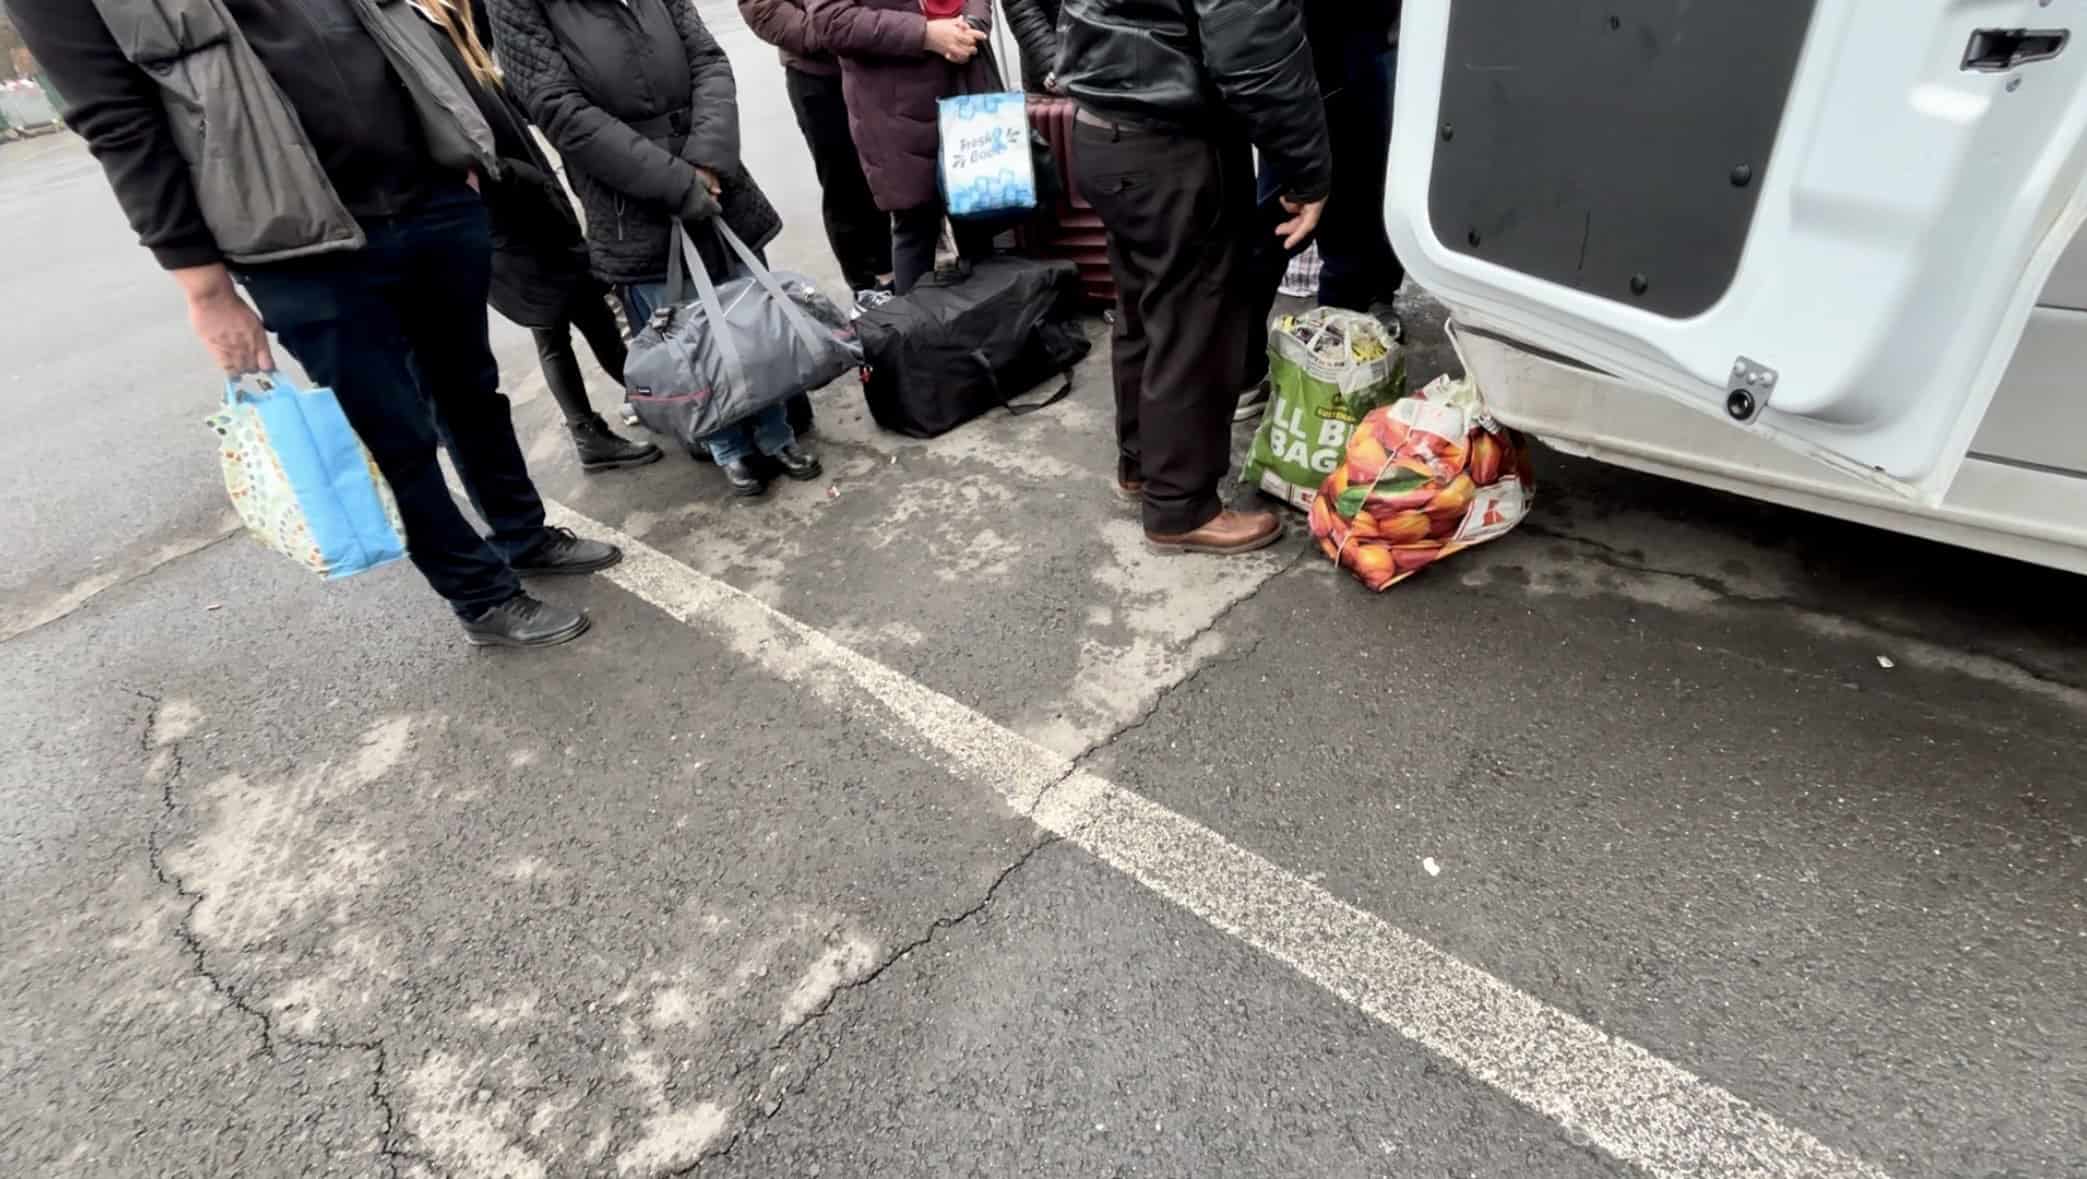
298	885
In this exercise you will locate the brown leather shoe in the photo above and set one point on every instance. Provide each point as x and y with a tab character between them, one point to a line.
1232	532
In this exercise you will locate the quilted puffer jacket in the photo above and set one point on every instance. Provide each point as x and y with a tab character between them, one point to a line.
635	95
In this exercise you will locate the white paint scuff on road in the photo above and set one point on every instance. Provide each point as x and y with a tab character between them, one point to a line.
1606	1091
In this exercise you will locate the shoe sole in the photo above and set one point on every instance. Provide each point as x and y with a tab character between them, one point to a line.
808	476
1126	496
623	464
557	640
1248	413
1167	548
573	570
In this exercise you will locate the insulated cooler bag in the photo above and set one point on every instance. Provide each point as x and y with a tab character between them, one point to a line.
971	340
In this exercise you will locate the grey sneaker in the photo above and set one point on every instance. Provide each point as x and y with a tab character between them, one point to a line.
1252	403
524	621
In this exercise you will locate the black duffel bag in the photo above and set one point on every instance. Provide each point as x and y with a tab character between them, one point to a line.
971	340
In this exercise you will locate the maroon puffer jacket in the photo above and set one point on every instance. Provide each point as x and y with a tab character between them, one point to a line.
892	85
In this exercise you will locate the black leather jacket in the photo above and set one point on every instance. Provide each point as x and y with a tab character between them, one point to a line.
1035	26
1199	63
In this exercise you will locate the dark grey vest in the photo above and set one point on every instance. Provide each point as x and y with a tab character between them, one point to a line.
260	185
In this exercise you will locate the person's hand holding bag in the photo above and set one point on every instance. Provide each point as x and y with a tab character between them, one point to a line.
701	202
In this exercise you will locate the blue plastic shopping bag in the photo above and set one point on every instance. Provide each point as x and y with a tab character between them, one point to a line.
988	166
300	479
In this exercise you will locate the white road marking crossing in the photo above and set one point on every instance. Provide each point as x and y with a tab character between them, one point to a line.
1607	1091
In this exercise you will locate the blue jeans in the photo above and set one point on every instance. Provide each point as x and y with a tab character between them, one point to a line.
398	331
1357	264
768	431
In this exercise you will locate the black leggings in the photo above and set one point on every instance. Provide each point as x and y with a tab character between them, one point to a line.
587	310
914	235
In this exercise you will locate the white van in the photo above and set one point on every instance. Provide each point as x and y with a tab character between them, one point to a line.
1820	252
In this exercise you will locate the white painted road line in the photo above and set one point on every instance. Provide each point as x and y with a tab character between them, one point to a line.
1606	1091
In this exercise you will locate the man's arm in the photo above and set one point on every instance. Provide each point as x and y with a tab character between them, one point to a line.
1256	54
781	23
116	109
713	133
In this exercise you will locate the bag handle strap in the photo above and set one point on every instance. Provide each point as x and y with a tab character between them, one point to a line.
246	386
685	259
791	311
1006	402
706	292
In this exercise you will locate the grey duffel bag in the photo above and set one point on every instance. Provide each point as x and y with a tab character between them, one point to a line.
756	340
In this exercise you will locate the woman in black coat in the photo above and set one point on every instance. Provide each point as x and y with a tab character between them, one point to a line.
540	275
639	100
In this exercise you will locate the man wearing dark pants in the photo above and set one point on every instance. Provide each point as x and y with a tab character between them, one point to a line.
858	232
1352	43
325	156
1174	96
1353	48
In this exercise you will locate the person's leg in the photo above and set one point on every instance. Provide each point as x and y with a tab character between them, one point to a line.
640	300
561	371
974	241
856	230
589	312
599	447
446	253
1359	269
1178	209
914	235
339	318
1127	338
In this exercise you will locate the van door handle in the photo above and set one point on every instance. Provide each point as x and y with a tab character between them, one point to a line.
1994	51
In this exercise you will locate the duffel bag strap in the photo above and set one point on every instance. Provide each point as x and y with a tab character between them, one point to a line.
713	309
792	313
1001	399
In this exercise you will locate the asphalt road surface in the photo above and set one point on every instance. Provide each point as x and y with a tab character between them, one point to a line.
918	823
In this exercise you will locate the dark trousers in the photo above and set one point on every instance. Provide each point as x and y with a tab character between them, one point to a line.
398	331
1180	213
1358	268
858	231
1357	265
587	309
916	232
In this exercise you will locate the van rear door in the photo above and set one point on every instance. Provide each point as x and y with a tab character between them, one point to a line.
1825	220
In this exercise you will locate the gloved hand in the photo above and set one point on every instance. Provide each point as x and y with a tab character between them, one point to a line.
699	204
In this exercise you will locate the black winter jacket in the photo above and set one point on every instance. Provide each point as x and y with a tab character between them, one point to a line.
1035	26
635	96
1197	64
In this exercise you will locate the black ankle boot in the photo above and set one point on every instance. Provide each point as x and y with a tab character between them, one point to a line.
602	450
746	480
797	464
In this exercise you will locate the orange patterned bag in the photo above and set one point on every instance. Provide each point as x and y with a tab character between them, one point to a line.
1424	477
